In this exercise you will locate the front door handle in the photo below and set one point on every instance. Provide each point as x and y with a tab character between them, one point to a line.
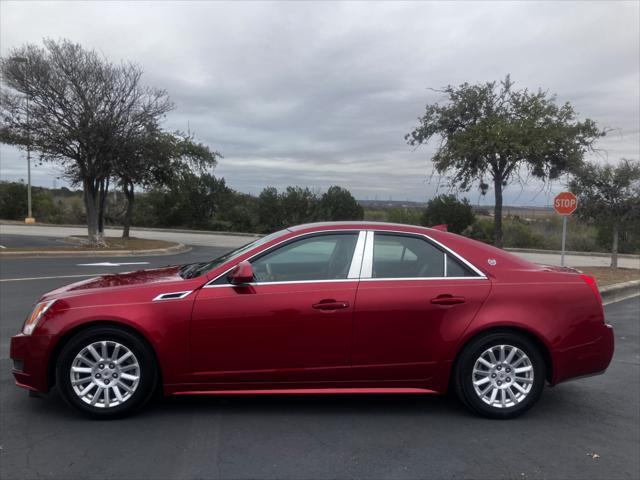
330	304
447	299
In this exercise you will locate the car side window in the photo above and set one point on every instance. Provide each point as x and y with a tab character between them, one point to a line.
321	257
403	256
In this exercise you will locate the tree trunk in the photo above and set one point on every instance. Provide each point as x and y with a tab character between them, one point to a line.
614	246
95	236
102	203
129	194
497	212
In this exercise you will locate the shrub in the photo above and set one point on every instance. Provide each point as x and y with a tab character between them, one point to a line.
447	209
409	216
482	230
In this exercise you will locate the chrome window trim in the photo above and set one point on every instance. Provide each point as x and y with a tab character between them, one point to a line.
395	279
274	246
367	274
358	255
444	269
182	294
366	268
287	282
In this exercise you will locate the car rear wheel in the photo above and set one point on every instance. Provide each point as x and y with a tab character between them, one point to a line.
500	375
106	372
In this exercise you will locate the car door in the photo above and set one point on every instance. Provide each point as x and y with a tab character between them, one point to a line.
414	300
293	323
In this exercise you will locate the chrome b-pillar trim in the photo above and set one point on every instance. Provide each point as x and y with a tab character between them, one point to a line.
367	261
358	254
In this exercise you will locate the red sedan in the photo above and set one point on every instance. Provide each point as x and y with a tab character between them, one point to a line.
346	307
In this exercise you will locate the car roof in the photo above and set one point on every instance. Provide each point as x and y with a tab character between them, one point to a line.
357	224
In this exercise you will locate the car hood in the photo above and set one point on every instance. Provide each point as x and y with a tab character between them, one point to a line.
140	277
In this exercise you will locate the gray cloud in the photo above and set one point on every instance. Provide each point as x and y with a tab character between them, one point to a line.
322	93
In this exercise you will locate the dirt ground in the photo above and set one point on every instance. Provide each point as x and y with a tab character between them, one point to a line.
609	276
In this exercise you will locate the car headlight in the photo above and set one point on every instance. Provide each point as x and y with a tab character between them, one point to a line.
36	315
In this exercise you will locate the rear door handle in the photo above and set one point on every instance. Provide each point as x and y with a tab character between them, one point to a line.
330	305
447	299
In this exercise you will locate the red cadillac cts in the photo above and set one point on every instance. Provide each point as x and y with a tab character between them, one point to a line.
345	307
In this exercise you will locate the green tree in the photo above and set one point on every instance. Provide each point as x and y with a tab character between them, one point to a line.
154	159
493	132
337	203
447	209
13	200
74	108
610	196
299	205
194	201
239	212
270	218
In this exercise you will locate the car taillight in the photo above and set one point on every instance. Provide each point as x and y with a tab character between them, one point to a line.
591	281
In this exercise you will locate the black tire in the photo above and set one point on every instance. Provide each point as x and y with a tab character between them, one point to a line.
148	371
464	386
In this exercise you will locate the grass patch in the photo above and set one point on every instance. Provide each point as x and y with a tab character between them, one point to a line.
609	276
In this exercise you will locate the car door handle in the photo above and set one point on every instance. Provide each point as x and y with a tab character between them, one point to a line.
447	299
330	305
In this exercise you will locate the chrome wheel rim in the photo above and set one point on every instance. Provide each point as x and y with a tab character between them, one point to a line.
502	376
105	374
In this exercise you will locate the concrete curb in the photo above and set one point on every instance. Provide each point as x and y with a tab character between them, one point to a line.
620	291
584	254
134	229
172	250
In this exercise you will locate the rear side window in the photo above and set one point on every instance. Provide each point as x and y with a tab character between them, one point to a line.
457	269
401	256
407	256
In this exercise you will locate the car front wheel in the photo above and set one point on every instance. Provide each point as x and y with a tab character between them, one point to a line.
500	375
106	372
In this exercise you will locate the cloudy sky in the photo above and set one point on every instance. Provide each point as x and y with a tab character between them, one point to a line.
317	94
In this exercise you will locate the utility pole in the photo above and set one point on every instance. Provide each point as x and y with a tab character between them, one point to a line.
29	218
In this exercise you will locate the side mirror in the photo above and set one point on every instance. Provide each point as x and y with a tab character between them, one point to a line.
241	273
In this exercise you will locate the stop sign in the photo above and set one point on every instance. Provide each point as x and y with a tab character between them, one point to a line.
565	203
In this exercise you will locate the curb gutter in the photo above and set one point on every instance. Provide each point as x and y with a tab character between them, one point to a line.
620	291
178	248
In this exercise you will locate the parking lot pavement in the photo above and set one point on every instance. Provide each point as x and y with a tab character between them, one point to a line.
586	429
205	239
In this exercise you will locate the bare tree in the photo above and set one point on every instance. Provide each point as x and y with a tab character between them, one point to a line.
81	107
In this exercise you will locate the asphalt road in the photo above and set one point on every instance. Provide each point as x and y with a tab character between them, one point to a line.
314	437
8	240
203	239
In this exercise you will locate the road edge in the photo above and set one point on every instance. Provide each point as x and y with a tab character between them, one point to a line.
631	256
172	250
620	291
133	228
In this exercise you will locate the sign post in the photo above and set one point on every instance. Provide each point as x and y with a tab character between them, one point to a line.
564	238
565	203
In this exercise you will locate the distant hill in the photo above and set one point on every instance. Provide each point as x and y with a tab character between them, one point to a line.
508	209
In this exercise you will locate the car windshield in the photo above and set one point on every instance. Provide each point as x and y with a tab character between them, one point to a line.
192	270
